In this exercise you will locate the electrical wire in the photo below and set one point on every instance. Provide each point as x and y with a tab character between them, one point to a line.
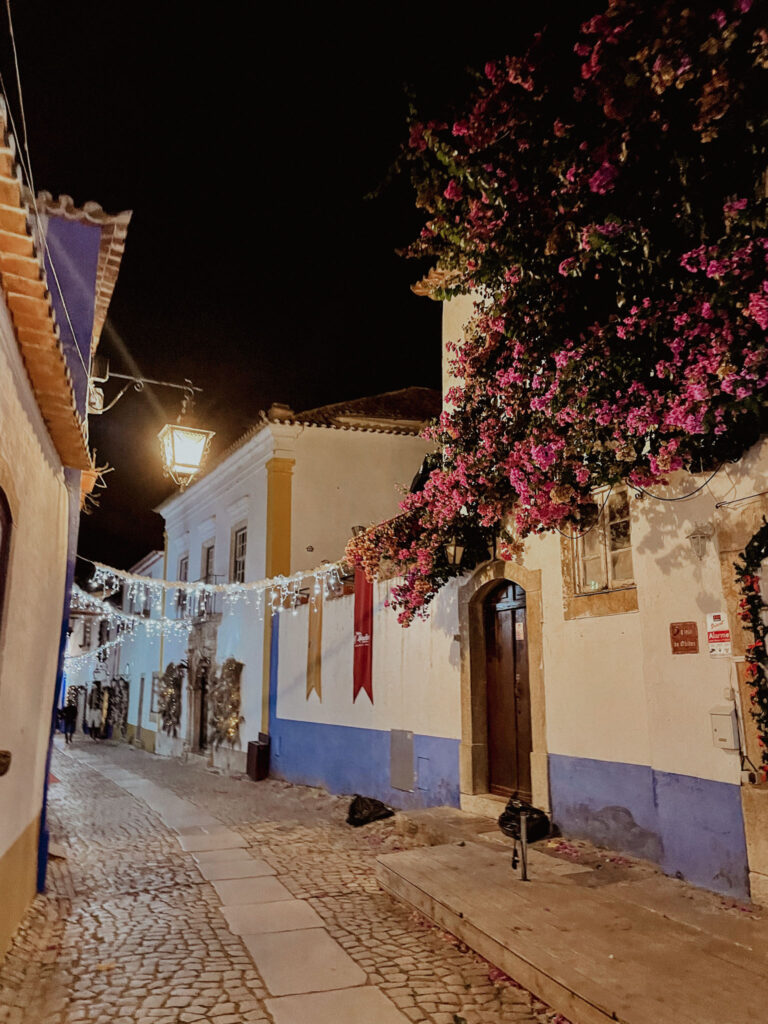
578	536
735	501
27	171
680	497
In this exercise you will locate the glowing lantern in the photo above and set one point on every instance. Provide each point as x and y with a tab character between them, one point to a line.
184	450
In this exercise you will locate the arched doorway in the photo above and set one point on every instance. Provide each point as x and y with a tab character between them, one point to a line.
508	695
516	614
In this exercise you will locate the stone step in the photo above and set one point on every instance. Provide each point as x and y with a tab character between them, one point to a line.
636	953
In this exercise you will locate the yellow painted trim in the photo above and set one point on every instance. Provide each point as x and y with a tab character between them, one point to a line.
18	880
279	486
278	554
265	667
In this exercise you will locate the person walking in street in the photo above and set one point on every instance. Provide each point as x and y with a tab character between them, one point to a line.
69	718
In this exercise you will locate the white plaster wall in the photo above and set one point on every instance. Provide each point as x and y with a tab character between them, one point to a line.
614	691
346	478
593	673
456	314
416	680
32	477
232	493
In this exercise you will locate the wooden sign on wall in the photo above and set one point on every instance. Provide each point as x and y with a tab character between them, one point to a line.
684	637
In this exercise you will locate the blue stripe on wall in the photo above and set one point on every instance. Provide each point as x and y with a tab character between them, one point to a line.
344	759
692	827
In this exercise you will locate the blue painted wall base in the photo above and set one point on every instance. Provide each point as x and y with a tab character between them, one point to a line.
348	760
692	827
344	759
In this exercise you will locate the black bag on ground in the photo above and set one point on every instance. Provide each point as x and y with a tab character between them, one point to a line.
537	822
364	809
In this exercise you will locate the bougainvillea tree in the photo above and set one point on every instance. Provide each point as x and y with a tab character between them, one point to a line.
605	201
753	610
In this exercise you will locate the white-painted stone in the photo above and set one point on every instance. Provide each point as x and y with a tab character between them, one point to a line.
281	916
308	960
226	840
251	867
215	856
348	1006
235	892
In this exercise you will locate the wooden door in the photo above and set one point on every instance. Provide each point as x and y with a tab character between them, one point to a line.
508	693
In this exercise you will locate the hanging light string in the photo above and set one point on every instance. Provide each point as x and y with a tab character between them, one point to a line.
80	601
277	594
80	659
330	574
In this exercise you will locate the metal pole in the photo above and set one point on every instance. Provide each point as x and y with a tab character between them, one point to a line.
524	847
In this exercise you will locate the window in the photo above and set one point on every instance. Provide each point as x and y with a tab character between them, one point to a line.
86	633
209	552
239	539
183	577
603	555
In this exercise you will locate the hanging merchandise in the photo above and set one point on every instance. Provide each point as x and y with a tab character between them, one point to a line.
363	650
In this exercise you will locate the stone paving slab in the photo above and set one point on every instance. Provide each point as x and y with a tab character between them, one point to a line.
260	918
128	933
252	867
212	856
235	892
307	960
596	953
349	1006
226	840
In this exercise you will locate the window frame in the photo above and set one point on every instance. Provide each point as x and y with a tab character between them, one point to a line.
602	496
237	560
182	575
208	561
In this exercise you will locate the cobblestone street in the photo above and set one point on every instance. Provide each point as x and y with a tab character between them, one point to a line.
130	929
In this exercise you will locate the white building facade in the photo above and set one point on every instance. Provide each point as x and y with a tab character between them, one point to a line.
283	499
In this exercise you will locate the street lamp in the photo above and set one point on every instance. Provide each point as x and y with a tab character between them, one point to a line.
184	450
183	447
454	551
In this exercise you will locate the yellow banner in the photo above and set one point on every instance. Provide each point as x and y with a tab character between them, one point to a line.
315	646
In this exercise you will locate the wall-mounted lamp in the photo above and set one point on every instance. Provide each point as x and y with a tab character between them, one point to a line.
183	447
699	536
454	552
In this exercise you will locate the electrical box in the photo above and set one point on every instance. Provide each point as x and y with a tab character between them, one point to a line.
725	728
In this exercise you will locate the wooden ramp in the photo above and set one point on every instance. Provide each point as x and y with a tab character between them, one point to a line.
650	951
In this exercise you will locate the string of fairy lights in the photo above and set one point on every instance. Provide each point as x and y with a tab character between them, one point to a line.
190	601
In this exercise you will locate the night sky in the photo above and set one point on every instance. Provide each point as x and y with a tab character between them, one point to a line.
244	137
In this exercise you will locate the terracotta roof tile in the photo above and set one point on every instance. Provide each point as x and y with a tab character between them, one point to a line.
394	412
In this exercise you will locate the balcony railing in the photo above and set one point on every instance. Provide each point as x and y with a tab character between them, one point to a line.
200	604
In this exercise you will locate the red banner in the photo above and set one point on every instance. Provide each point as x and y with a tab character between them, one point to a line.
362	674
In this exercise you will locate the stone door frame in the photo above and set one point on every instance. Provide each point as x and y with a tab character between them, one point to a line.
473	750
